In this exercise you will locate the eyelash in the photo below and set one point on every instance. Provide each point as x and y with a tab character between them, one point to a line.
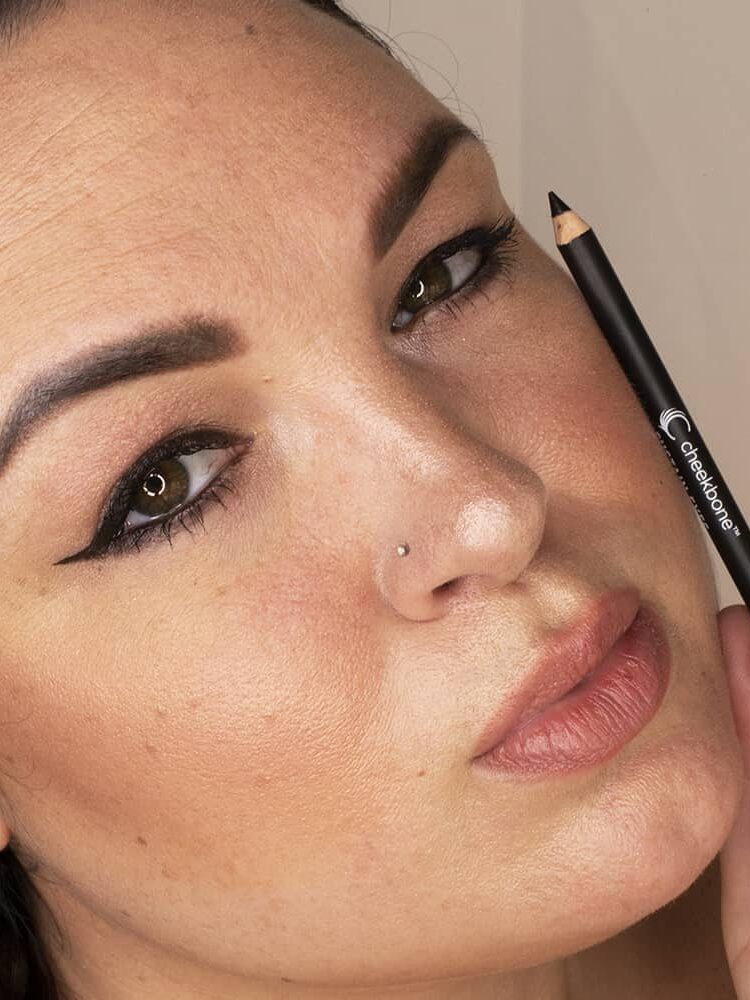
111	539
497	243
127	541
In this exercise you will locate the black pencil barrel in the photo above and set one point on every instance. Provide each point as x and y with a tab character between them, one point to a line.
675	427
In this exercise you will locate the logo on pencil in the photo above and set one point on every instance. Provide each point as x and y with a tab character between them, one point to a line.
687	452
666	416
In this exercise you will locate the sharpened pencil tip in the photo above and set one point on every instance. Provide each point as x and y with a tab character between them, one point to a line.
557	205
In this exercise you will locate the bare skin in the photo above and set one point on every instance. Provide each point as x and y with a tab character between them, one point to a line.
243	762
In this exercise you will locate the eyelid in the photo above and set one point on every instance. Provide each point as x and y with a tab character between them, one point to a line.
190	439
498	240
462	241
225	480
201	464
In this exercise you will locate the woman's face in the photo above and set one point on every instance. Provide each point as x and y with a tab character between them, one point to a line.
247	755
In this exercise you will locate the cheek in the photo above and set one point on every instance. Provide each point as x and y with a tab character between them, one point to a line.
540	383
587	426
241	713
558	401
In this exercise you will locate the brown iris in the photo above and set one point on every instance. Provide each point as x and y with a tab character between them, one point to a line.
165	487
434	283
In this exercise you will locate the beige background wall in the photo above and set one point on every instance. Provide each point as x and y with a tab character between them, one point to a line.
638	115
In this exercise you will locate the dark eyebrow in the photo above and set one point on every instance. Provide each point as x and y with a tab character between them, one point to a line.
181	343
195	340
410	178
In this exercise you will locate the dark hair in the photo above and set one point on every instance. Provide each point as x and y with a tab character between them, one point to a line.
26	970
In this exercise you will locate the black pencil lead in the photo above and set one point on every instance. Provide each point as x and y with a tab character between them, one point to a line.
557	205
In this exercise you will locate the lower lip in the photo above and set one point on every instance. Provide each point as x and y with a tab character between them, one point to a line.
592	723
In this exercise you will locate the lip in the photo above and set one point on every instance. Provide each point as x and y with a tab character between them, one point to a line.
571	654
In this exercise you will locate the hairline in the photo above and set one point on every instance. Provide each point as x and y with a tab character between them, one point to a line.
22	16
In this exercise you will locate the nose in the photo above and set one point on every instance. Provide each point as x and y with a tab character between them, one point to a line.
470	520
449	546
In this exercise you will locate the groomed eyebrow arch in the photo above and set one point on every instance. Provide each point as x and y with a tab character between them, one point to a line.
189	341
404	189
184	342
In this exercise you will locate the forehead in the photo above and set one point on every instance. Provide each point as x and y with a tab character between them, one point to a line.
145	150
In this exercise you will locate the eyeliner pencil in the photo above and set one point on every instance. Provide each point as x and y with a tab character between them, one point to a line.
649	379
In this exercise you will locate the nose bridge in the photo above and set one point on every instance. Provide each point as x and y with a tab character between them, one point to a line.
399	428
418	476
404	427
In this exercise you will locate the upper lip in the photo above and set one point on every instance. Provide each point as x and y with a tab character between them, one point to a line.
571	654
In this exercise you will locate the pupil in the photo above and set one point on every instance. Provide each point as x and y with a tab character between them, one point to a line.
154	484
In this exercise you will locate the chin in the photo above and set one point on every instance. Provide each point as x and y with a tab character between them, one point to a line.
682	787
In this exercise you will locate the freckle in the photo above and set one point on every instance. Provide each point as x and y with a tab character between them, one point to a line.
151	748
141	841
420	773
195	702
249	29
167	873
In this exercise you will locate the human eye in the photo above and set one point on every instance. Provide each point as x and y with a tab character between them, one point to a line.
172	482
453	273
